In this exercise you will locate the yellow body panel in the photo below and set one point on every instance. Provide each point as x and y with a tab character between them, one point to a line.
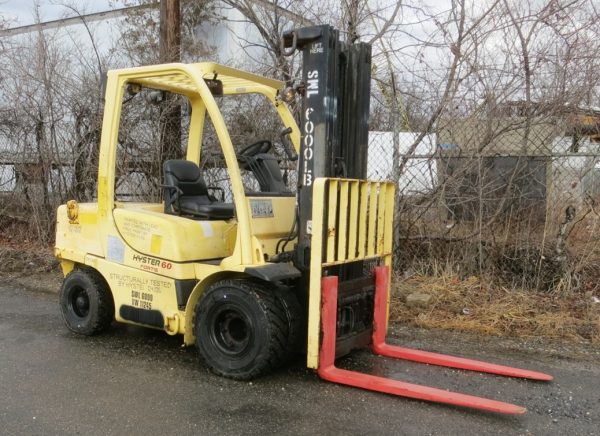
270	229
172	237
77	239
140	289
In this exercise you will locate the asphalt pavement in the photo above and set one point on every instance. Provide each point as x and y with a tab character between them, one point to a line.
139	381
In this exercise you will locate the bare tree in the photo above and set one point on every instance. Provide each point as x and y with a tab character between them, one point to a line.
139	42
52	122
270	19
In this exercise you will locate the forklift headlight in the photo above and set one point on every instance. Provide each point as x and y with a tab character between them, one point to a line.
288	94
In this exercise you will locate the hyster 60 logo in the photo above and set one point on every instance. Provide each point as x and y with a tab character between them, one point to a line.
308	140
151	264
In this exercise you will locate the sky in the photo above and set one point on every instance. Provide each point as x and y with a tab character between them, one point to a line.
20	12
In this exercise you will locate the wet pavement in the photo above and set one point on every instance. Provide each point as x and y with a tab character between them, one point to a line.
138	381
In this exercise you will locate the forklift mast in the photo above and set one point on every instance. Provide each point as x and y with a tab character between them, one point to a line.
336	79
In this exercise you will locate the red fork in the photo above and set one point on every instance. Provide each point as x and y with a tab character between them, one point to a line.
328	371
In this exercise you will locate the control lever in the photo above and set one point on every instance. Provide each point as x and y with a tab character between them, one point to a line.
287	147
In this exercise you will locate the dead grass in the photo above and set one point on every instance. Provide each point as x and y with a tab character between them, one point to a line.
25	257
469	305
21	251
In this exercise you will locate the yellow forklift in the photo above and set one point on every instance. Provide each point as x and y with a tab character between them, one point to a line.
217	272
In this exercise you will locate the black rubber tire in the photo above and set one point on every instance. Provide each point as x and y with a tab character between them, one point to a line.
86	303
241	329
296	326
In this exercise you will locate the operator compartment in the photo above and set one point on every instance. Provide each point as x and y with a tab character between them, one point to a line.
264	153
199	171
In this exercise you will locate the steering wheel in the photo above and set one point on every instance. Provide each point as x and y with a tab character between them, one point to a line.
262	146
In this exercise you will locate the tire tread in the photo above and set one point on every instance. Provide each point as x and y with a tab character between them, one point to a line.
101	291
274	355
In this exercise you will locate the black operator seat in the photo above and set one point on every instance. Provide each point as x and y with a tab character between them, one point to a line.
186	193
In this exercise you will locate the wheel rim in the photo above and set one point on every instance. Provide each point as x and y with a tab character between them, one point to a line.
231	331
79	302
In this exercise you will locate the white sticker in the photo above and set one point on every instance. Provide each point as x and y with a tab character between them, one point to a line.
206	228
261	208
309	227
116	249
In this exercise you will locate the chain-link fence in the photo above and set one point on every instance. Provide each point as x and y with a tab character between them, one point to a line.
32	182
509	197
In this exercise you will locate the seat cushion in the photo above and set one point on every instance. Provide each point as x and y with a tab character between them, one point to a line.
206	209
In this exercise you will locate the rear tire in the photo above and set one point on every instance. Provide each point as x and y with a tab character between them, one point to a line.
86	303
241	329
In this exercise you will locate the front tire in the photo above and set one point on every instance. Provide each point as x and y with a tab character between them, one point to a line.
296	327
86	303
241	329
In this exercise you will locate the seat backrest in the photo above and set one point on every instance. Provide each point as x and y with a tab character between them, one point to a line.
186	193
186	176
